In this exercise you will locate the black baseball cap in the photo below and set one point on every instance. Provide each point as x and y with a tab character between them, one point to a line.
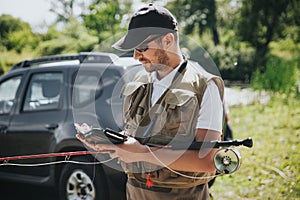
147	21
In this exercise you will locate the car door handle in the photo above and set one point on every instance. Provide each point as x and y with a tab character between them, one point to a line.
3	128
51	126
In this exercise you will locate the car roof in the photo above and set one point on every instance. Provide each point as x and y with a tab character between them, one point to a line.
100	59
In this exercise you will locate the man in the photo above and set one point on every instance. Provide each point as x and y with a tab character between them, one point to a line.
173	103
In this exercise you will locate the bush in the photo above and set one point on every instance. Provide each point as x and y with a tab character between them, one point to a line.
73	38
279	76
20	40
56	46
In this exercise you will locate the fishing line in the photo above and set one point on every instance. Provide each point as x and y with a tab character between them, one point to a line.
6	163
178	173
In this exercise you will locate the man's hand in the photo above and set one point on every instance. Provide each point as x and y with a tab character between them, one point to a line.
130	151
83	128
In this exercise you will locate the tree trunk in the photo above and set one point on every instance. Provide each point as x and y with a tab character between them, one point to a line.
215	36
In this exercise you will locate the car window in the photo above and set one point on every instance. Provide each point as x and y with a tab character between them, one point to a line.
86	88
43	92
8	90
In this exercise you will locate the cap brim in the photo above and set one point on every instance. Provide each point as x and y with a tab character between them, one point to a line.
136	37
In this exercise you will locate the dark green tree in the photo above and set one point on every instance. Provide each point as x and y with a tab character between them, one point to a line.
16	34
262	22
9	24
292	21
196	15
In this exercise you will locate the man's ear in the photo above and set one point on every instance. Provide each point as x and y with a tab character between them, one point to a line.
168	40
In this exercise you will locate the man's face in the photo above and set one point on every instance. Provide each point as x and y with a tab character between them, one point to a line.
154	58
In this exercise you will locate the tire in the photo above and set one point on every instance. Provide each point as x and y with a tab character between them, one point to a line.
79	181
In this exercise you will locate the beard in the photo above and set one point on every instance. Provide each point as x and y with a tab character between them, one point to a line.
161	63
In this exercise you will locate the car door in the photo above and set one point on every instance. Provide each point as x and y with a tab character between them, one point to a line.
38	118
8	98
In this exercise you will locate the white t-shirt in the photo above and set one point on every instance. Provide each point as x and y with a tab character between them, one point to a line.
211	111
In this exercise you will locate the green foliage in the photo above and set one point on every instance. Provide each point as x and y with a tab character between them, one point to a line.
234	63
196	15
233	58
73	38
259	22
279	76
105	17
262	22
101	21
52	33
16	34
19	40
8	25
285	48
56	46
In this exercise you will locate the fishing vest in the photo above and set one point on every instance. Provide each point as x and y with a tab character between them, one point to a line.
171	121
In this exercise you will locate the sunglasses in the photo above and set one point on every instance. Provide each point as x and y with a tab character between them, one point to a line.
144	47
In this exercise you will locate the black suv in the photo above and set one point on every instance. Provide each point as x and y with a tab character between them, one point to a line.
41	99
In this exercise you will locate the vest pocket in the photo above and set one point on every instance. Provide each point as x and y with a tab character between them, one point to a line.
136	103
181	111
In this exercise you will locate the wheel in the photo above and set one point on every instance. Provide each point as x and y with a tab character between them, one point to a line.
84	182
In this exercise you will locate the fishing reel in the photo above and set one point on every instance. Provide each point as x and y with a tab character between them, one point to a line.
228	160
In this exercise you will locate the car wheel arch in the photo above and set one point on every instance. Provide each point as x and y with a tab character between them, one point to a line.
59	168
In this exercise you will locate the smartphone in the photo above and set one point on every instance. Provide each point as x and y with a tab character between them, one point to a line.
100	136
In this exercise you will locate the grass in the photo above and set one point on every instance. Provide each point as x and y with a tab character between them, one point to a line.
271	168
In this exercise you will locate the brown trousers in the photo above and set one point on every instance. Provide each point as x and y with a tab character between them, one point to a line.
195	193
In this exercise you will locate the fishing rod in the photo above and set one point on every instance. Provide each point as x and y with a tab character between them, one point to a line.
226	160
48	155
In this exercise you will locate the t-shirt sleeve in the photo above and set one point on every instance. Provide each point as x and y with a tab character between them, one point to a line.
211	111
